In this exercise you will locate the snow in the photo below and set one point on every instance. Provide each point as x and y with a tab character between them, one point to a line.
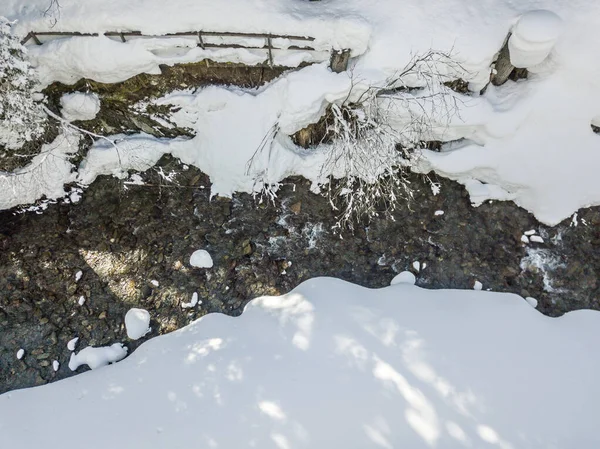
192	303
438	213
201	259
137	323
406	277
536	239
55	365
524	239
416	265
532	301
514	136
81	300
533	37
79	106
97	357
332	364
71	345
154	282
45	175
20	353
78	276
477	285
530	232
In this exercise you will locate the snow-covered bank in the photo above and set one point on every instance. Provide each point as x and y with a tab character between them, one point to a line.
332	363
530	141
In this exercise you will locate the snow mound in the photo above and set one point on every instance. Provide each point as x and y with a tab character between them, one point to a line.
137	323
79	106
97	357
201	259
333	364
406	277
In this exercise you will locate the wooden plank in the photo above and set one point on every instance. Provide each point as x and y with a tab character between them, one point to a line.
270	47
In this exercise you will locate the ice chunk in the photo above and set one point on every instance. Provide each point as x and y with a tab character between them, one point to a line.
416	265
55	365
524	239
137	323
437	213
477	285
20	353
536	239
78	275
81	300
530	232
201	259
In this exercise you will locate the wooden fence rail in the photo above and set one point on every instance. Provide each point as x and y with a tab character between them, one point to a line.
338	62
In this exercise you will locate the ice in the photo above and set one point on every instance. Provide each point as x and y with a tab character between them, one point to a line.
97	357
416	265
20	353
524	239
201	259
81	300
406	277
530	232
78	275
477	285
532	301
55	365
137	323
71	345
192	303
154	282
79	106
536	238
437	213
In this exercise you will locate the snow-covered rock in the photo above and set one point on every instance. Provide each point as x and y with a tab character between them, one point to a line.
97	357
533	37
137	323
79	106
201	259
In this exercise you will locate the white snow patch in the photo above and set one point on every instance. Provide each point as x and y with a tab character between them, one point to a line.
201	259
72	344
524	239
477	285
536	238
79	106
543	261
406	277
55	365
78	276
154	282
97	357
81	300
137	323
416	265
530	232
20	353
437	213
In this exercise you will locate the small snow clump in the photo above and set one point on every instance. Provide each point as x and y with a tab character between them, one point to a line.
201	259
533	37
97	357
79	106
406	277
137	323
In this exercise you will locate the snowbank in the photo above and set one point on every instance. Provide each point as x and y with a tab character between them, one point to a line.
336	365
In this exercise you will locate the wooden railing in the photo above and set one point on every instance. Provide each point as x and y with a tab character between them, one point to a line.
338	62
